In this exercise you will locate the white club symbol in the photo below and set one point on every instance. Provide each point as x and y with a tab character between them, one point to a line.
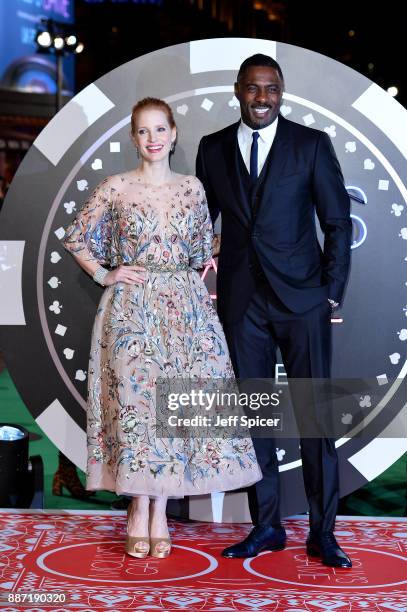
55	307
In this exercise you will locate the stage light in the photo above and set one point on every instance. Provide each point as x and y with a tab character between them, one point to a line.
58	38
44	39
71	40
393	91
59	43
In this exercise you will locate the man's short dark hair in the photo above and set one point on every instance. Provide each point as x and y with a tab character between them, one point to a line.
259	60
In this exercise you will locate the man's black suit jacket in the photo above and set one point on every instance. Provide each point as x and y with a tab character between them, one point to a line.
303	177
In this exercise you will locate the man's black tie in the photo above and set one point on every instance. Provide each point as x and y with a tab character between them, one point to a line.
253	157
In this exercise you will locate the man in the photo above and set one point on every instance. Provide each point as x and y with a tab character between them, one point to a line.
276	287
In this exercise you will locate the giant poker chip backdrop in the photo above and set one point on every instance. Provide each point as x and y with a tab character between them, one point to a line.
48	304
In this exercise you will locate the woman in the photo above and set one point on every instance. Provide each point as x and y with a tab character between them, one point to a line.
151	226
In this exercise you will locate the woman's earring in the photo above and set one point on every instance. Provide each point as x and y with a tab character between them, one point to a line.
137	151
172	147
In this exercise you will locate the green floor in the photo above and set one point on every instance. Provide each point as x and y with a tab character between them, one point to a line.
384	496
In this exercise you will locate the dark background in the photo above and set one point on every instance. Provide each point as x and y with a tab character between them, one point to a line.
364	35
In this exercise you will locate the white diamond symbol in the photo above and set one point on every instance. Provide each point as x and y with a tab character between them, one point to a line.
60	330
383	185
308	119
60	233
207	104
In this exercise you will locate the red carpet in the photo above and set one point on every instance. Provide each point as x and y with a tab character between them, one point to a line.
81	555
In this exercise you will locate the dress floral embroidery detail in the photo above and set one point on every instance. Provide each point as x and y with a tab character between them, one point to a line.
89	235
163	328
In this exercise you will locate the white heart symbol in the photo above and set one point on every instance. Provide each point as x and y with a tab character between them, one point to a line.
97	164
285	110
183	109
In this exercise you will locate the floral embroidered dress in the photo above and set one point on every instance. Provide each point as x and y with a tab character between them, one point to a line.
163	328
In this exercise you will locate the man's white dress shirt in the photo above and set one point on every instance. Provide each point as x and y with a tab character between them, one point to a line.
264	142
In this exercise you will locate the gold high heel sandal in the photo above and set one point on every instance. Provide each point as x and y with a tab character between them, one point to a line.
134	549
132	546
160	543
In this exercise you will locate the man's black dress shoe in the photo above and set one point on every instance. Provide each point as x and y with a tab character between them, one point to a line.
324	545
261	537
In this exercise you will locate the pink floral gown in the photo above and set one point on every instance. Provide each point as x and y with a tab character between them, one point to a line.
164	327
